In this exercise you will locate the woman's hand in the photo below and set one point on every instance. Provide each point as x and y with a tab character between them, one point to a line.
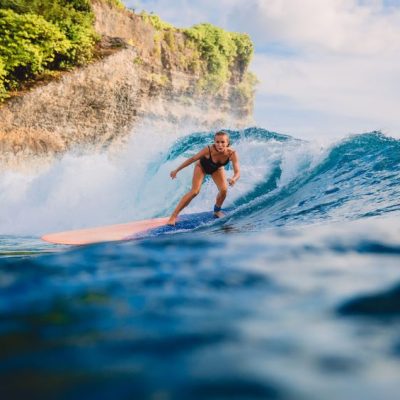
173	174
231	181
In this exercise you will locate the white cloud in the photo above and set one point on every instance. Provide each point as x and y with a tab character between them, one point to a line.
363	93
184	13
341	26
317	60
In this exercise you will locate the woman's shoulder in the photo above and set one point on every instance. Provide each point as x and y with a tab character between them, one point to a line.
231	151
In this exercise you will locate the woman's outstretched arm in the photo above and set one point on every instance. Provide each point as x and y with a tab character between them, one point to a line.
189	161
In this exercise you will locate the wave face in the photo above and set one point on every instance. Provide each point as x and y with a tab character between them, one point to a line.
294	295
356	178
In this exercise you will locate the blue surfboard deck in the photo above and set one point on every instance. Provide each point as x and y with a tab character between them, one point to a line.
185	222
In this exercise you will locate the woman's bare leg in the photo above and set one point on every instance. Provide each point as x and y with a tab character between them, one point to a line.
198	178
219	179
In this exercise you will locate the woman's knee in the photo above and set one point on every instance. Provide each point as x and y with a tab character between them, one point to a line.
194	192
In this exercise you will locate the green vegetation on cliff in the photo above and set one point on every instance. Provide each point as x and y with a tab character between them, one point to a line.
221	50
155	21
115	3
214	54
37	36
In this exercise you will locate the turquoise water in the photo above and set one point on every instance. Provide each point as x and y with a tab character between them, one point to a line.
294	295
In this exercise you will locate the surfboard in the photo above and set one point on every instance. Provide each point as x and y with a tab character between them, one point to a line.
128	231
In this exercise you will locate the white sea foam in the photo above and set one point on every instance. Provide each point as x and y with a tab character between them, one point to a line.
86	190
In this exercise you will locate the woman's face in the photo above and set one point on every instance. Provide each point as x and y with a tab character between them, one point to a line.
221	142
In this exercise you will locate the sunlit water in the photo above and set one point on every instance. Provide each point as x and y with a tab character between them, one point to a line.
294	295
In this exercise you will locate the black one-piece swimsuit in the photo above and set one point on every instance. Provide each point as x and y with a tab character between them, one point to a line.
209	166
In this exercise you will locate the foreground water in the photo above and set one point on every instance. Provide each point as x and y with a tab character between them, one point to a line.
295	295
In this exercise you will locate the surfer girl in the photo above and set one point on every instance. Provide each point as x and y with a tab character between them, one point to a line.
209	161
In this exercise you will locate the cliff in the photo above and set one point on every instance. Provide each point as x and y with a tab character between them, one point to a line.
143	73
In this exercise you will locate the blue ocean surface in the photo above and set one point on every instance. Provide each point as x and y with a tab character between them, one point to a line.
294	294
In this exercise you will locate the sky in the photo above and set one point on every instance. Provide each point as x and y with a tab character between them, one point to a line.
327	68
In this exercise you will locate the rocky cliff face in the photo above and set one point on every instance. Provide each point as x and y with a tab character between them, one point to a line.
137	78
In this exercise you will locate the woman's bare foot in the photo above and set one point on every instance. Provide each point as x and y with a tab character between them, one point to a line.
171	221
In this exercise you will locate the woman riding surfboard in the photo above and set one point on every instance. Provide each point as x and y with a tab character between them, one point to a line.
209	161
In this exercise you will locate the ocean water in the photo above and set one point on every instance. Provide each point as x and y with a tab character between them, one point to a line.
294	295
